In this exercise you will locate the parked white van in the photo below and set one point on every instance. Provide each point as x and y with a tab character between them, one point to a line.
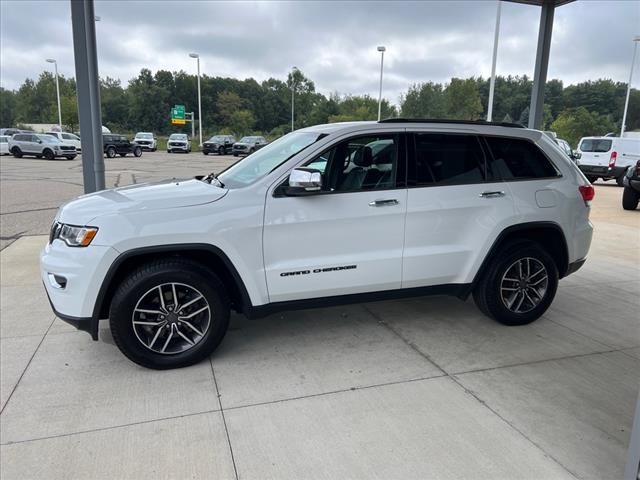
607	157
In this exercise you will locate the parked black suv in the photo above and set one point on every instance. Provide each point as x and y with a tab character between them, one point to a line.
248	145
631	182
113	144
220	144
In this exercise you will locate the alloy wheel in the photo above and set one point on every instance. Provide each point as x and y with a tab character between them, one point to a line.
171	318
524	285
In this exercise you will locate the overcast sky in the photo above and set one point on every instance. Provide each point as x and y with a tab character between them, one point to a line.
332	42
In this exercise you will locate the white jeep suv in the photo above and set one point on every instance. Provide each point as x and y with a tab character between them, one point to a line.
325	215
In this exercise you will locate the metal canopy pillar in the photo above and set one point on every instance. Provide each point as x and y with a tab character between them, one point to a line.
542	64
88	93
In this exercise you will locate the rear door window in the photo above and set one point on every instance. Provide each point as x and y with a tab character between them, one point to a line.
448	159
518	159
595	145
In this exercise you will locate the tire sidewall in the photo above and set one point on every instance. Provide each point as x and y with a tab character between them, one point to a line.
493	299
125	300
111	152
137	152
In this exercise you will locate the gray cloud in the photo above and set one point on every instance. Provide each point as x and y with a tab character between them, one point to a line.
334	43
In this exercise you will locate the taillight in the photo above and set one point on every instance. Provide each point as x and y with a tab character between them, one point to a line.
612	159
588	192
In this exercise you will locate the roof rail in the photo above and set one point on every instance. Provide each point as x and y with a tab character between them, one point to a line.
457	122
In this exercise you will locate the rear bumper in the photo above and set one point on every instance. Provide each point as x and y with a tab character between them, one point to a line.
602	172
575	266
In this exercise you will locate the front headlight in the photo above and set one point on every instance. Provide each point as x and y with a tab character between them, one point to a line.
73	235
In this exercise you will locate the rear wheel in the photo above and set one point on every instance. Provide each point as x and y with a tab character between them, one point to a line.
592	179
169	314
630	198
111	152
137	152
519	285
48	154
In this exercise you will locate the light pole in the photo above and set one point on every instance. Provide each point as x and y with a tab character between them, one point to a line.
293	90
55	64
381	49
492	83
197	57
636	39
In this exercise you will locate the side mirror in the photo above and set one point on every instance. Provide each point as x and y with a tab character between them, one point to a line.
304	181
575	155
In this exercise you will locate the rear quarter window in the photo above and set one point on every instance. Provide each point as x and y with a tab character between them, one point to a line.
517	159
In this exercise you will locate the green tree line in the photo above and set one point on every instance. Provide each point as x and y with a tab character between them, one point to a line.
246	106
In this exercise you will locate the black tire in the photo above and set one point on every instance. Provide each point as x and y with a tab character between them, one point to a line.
70	157
48	154
137	152
221	151
205	153
169	151
620	181
251	150
592	179
17	153
154	149
630	198
487	294
111	152
144	280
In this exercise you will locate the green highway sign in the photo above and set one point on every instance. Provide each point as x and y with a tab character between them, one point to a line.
177	115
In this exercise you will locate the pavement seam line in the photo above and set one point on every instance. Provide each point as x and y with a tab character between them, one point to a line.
15	387
411	345
526	437
224	420
205	412
469	392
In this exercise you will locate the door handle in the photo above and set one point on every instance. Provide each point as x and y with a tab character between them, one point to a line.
383	203
492	194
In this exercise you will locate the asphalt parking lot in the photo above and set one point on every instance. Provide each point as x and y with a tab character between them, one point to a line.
421	388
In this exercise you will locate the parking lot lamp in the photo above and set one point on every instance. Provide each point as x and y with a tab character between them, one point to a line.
492	83
636	39
55	64
197	57
293	91
381	49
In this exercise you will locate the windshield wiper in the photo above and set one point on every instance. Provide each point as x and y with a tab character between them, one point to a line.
212	176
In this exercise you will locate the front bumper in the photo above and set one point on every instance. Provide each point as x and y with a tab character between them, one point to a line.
178	147
211	148
83	271
602	172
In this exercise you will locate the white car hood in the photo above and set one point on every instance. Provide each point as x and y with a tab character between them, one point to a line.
146	196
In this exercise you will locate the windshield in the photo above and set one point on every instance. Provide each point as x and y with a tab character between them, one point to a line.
263	161
216	138
595	145
144	135
177	136
247	139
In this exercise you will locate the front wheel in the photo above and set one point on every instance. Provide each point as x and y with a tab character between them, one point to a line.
48	154
519	284
221	151
17	153
111	152
630	198
169	314
137	152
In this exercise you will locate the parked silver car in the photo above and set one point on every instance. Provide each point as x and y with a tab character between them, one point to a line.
178	142
40	145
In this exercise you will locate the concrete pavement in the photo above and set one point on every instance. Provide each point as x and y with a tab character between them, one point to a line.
421	388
